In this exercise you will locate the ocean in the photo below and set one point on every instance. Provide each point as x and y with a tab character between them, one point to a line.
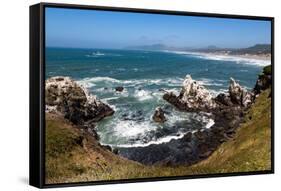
143	74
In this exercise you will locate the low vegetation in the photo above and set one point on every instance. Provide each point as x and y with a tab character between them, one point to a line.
73	156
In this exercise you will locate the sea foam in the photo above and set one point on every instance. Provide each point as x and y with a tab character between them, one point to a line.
237	59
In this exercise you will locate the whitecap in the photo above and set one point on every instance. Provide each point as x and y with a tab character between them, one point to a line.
209	82
100	79
143	95
101	54
110	98
210	123
121	69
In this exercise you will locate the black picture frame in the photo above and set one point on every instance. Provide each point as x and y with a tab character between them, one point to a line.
37	94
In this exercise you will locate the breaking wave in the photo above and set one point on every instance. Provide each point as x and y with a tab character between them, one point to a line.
237	59
132	129
172	82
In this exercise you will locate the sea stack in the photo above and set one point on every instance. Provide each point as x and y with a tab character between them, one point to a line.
119	89
239	95
159	116
193	97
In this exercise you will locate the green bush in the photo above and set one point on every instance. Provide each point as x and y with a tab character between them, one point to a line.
267	70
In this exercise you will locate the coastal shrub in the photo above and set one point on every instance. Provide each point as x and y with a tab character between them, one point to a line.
267	70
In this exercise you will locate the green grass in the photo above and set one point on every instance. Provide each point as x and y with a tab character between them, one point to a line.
72	158
250	150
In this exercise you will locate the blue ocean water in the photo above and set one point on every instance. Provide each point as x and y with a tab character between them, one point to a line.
143	74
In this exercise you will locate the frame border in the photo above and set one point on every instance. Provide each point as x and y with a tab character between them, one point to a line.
41	93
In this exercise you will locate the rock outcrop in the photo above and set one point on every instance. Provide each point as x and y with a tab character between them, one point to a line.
239	95
264	80
119	89
224	99
193	97
159	116
64	95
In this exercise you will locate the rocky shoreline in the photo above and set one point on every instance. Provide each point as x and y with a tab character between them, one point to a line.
65	97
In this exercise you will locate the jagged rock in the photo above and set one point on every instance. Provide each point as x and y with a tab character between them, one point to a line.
201	135
239	95
69	98
224	99
193	96
188	136
119	89
159	116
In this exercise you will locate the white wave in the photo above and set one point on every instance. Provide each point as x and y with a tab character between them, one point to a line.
123	93
128	128
100	54
148	82
237	59
214	93
209	82
173	90
110	98
91	82
85	83
210	124
100	79
206	118
143	95
177	52
134	129
159	141
240	60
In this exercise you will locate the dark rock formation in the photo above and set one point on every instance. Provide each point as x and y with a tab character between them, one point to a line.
227	111
237	96
264	80
159	116
134	116
194	97
65	96
224	99
119	89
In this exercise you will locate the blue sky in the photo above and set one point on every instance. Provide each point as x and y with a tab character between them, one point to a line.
106	29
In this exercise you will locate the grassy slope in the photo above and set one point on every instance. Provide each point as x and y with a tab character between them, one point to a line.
72	158
250	150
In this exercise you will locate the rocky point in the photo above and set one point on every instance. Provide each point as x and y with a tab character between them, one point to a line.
63	95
